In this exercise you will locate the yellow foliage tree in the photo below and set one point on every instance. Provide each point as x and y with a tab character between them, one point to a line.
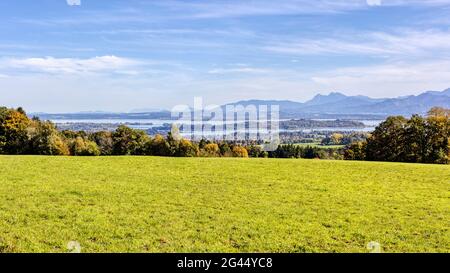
211	149
239	151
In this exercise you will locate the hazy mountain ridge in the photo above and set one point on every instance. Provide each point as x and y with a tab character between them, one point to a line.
340	104
333	105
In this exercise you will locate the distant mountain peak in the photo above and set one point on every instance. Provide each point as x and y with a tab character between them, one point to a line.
332	94
446	92
324	99
336	94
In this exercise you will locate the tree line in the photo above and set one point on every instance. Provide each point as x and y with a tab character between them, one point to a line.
398	139
414	140
20	135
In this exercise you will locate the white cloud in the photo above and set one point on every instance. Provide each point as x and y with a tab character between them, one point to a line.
374	2
73	2
398	43
382	80
388	79
65	93
248	70
70	65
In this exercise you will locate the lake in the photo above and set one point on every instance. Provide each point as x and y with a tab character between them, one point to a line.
145	124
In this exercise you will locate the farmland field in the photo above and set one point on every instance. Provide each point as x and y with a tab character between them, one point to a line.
151	204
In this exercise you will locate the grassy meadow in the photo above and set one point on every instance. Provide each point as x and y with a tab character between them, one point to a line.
151	204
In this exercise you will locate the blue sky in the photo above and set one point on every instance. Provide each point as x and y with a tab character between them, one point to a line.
117	55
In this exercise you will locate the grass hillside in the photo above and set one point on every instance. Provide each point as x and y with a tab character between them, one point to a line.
150	204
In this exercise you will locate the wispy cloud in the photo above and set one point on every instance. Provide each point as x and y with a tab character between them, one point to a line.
395	78
238	8
374	2
70	65
239	70
157	11
403	42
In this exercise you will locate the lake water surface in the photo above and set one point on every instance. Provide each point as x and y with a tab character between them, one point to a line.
145	124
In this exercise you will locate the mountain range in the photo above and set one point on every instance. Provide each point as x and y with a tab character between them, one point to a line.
338	104
333	106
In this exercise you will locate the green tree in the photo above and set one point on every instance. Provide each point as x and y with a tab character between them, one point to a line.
438	134
225	149
287	151
415	140
387	141
356	151
255	151
69	134
104	141
158	146
127	141
44	139
186	149
310	152
202	143
84	147
336	138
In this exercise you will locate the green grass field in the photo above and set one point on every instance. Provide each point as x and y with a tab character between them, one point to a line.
150	204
